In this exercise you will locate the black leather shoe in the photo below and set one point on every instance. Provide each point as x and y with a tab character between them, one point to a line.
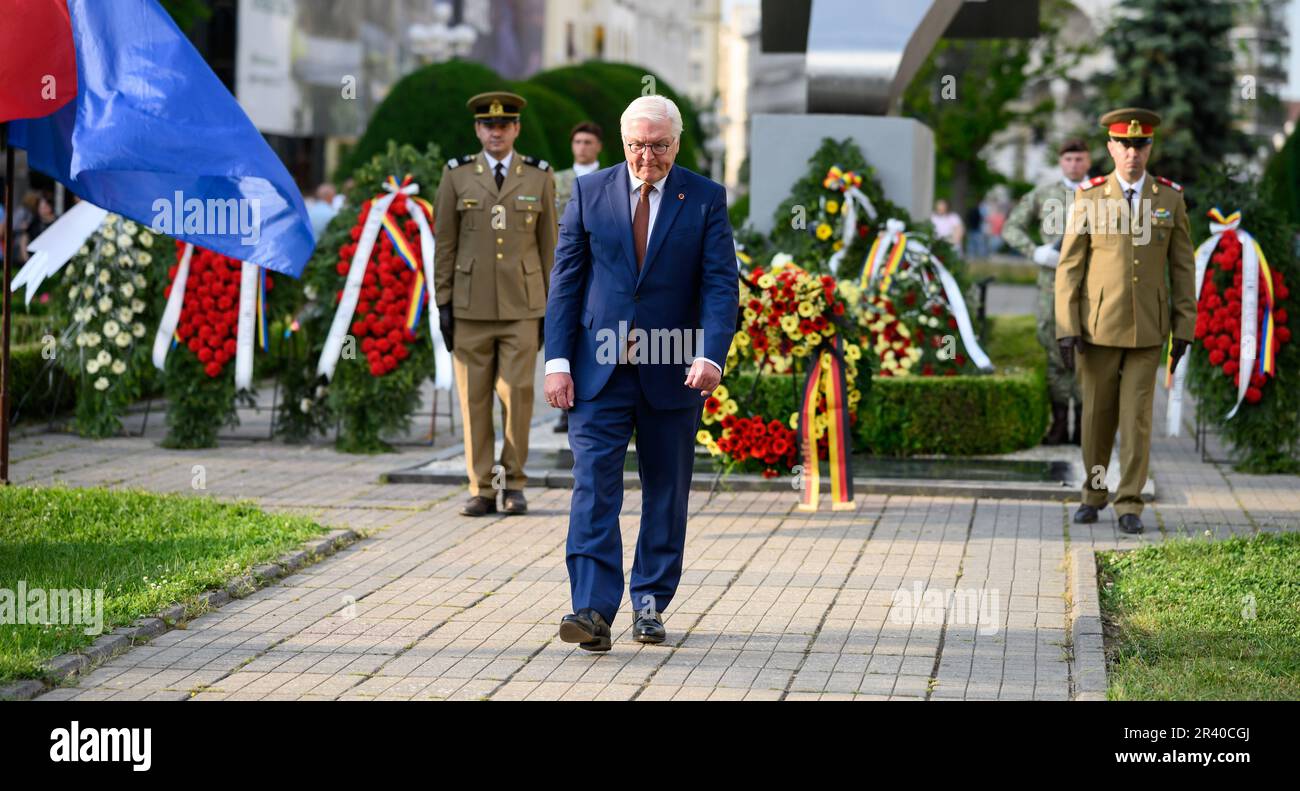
562	425
648	629
479	506
1086	515
587	628
1130	523
513	501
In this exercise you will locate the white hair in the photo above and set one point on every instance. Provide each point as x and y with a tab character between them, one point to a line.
652	108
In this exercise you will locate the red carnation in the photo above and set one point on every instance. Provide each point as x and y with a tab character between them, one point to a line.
1284	334
1216	357
1280	316
1230	368
1253	395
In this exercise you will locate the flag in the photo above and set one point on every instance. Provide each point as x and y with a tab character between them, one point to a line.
153	135
38	68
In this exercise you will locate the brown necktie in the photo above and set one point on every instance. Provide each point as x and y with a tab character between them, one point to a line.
641	223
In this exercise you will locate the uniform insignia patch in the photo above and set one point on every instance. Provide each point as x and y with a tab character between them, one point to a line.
1169	183
1090	183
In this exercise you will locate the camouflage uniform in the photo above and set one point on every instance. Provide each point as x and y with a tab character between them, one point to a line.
1045	202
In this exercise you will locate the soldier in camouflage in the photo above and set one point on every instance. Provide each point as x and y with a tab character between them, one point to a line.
1042	213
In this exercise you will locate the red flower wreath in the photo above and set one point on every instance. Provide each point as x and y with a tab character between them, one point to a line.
1218	315
209	318
380	321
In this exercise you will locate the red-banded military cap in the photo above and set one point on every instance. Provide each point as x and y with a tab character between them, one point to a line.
1130	122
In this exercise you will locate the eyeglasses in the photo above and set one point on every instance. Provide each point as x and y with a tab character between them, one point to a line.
636	147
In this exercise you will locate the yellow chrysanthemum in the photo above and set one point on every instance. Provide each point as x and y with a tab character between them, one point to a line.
766	281
852	352
839	243
800	351
703	437
789	323
750	315
832	207
813	338
806	309
824	231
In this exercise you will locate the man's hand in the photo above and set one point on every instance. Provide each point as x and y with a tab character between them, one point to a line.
447	324
1177	350
1068	347
559	390
703	376
1047	255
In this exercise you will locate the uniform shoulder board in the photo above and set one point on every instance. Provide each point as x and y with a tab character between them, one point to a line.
456	161
1090	183
1169	183
540	164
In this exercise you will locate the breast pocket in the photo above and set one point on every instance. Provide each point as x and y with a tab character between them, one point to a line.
470	211
524	214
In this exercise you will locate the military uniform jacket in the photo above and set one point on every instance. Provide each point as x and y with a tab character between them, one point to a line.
564	187
1035	209
495	247
1119	273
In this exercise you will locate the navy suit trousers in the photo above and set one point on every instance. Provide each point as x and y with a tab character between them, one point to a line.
599	432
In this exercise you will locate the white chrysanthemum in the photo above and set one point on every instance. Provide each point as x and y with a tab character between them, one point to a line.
87	292
130	227
146	239
92	339
85	250
111	328
79	315
81	338
109	249
309	291
304	405
138	330
73	292
119	367
104	357
125	260
105	276
138	279
137	306
90	269
105	304
125	314
127	290
123	340
108	233
125	241
142	259
92	367
101	383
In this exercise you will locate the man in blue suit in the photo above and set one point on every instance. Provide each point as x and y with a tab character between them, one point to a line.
639	319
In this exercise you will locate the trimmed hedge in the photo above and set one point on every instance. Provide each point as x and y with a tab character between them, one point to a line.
952	415
36	382
556	115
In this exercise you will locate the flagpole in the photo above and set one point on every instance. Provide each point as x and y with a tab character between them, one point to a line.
5	376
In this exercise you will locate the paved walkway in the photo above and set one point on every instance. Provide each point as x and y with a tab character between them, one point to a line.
773	603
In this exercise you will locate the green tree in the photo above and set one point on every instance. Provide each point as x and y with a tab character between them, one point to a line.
187	12
1173	56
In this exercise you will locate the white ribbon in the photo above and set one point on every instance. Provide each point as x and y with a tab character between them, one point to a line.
356	273
853	197
53	248
162	339
248	276
1249	306
951	291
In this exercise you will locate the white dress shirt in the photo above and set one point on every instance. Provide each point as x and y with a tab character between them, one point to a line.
1124	186
580	169
505	163
560	365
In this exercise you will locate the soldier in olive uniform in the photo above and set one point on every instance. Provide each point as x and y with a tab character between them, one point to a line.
1045	208
496	230
585	140
1126	259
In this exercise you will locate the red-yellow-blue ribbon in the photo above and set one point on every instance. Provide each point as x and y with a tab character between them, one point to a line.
891	266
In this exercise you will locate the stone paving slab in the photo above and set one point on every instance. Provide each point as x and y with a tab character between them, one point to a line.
905	597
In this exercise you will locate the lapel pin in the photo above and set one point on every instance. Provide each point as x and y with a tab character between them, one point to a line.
681	196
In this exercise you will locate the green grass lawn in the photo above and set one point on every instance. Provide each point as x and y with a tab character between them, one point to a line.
144	551
1200	620
1012	273
1012	342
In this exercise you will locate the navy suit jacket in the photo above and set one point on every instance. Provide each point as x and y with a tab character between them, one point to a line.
687	282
